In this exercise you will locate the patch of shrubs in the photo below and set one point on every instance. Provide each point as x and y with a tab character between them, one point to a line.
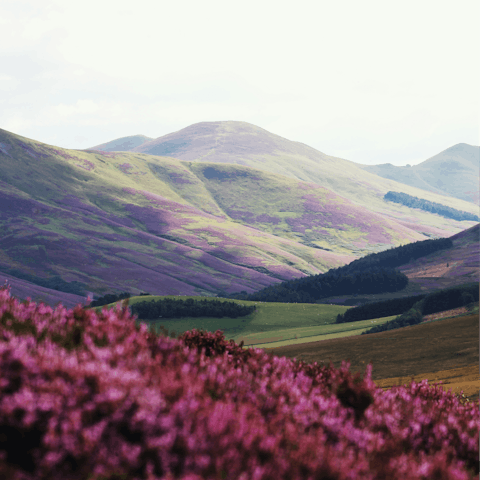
412	317
440	301
178	308
451	298
384	308
433	207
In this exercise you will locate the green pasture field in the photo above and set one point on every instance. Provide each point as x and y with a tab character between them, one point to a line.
271	325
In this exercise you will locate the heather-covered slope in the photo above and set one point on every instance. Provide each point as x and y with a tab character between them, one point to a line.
302	212
242	143
454	172
92	219
447	268
128	221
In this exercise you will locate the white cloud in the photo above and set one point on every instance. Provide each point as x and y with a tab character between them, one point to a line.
81	107
380	81
16	124
7	83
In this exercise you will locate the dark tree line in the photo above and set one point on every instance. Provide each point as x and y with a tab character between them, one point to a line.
313	288
173	308
372	274
415	202
439	301
451	298
398	256
384	308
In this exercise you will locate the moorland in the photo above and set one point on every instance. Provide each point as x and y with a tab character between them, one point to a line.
261	211
443	347
88	221
261	215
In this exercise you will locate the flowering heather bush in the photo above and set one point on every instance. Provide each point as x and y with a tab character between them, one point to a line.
95	396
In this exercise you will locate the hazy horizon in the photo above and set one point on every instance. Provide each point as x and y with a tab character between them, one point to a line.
371	82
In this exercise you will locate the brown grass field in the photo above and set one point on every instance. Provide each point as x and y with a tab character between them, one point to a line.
445	349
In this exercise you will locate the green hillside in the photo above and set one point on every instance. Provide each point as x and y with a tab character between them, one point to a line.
242	143
271	325
271	322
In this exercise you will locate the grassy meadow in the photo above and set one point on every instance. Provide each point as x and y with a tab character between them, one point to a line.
271	325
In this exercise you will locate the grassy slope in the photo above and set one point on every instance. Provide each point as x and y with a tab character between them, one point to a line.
367	190
104	184
242	143
271	325
302	213
274	323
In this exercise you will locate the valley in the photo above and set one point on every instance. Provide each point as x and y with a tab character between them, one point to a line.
261	211
443	347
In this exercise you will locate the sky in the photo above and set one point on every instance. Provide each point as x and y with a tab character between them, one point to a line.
369	81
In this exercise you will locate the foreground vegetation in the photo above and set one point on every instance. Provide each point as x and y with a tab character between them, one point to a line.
96	397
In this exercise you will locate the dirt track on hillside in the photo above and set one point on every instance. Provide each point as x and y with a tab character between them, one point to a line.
446	349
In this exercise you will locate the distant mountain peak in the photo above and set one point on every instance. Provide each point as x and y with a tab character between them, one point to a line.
452	172
122	144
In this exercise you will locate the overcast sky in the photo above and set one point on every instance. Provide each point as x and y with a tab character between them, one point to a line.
369	81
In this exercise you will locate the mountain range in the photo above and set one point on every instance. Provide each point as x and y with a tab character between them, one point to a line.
217	206
453	172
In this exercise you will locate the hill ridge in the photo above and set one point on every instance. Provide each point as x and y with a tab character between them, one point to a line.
79	216
231	142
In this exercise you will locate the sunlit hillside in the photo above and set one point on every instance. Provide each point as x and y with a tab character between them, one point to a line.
242	143
84	221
